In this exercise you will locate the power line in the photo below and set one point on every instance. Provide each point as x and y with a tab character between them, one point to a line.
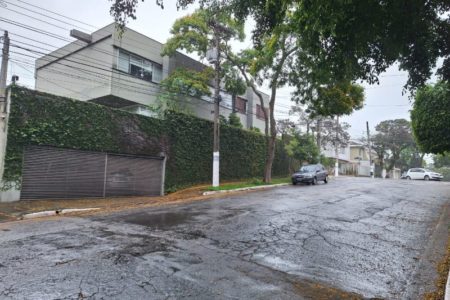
55	13
51	35
130	88
34	18
44	15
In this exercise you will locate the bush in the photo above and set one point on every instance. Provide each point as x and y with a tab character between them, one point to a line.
445	171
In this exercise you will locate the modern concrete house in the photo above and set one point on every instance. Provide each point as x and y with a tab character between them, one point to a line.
124	71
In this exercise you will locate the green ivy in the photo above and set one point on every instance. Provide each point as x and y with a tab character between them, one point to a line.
42	119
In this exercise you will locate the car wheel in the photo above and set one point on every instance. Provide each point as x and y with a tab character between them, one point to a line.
314	182
294	182
426	178
407	177
326	179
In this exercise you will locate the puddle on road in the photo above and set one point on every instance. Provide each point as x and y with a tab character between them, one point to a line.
161	220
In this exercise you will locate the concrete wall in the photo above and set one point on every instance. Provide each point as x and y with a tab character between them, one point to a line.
83	73
134	89
139	44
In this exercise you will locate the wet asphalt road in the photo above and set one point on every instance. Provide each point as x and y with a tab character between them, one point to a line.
352	237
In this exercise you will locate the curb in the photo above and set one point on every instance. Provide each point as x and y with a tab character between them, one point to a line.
244	189
49	213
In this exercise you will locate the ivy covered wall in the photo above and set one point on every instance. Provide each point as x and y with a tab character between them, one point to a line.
43	119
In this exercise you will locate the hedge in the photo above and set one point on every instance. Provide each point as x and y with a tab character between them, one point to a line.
43	119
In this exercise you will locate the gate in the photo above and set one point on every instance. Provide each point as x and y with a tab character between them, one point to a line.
56	173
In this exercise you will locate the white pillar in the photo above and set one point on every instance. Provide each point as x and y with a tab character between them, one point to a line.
216	159
336	168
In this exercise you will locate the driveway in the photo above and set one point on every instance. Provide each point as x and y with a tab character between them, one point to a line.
350	238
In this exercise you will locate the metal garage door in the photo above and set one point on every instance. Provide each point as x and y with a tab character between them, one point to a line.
50	173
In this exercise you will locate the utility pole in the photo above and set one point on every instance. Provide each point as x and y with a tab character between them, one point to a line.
216	147
4	72
370	150
336	149
3	102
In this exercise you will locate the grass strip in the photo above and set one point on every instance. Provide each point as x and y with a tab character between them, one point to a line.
248	183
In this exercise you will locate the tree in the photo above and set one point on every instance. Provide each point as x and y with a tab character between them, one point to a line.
178	87
332	134
354	38
392	137
410	157
304	118
430	118
285	127
268	63
234	120
303	148
441	160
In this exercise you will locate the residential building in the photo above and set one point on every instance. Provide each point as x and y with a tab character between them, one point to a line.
353	158
343	156
360	158
125	70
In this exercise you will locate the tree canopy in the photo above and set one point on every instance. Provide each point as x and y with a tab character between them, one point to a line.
391	138
347	40
303	148
430	118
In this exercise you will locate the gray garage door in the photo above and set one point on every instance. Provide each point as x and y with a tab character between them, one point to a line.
55	173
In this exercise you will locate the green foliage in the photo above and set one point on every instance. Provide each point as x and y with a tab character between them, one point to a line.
303	148
234	84
337	100
445	171
234	120
43	119
441	160
327	162
255	129
178	88
392	137
430	118
194	32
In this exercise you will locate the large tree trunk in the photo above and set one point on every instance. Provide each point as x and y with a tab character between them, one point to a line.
271	139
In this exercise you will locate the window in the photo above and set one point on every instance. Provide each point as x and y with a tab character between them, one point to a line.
259	112
240	105
139	67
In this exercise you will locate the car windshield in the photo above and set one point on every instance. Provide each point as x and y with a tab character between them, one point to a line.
307	169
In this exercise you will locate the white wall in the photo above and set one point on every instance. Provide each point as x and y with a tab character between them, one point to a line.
82	75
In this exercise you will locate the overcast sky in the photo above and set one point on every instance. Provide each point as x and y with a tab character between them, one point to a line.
383	102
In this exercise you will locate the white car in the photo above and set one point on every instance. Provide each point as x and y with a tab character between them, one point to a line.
424	174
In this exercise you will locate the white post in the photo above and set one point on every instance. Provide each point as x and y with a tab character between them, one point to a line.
216	159
336	149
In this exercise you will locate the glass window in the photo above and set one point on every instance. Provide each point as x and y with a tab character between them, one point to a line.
157	73
124	62
136	68
139	67
147	70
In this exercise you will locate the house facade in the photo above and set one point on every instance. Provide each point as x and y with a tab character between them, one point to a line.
354	159
125	71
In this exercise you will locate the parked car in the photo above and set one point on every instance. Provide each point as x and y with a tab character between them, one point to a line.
424	174
310	174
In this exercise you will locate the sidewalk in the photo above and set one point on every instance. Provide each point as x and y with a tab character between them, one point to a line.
11	211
